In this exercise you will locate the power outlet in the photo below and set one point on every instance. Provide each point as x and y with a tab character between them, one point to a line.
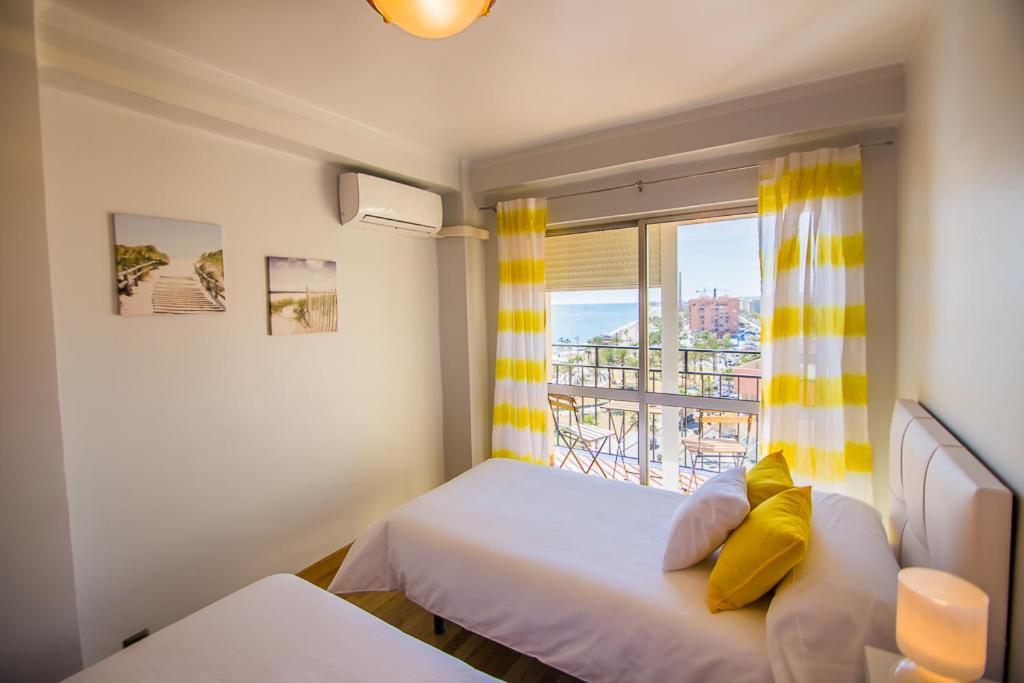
135	637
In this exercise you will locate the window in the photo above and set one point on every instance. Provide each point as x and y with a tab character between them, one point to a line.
627	403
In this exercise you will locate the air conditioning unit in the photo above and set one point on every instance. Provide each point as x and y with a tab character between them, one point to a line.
377	203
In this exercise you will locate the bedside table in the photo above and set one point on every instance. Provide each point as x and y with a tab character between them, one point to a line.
881	662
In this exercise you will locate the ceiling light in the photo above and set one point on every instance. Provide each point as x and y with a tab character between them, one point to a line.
432	18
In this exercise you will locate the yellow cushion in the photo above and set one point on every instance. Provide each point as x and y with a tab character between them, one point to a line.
757	555
768	478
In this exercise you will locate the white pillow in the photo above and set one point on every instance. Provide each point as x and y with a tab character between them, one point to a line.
841	597
705	519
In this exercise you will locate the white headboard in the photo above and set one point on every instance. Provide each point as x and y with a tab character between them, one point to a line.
948	512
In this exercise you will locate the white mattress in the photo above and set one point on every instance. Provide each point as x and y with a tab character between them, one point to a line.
563	567
280	629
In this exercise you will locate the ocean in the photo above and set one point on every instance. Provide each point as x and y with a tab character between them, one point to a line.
581	322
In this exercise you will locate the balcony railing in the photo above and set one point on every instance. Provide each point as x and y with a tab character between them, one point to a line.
708	373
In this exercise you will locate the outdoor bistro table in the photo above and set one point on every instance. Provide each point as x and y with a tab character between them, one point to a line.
713	447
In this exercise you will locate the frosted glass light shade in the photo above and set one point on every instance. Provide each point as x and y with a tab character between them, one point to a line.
942	623
432	18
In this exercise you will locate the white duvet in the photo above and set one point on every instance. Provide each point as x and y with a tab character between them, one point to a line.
285	630
563	567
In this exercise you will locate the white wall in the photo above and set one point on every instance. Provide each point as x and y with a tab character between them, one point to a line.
962	239
38	625
464	366
202	453
792	115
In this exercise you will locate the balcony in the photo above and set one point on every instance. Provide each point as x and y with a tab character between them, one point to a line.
601	436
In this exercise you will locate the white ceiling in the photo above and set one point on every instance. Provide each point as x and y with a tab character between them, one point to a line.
532	72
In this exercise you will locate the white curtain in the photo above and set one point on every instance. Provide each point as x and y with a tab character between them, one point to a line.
520	393
814	393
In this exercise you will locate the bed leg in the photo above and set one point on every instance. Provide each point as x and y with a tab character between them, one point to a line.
438	625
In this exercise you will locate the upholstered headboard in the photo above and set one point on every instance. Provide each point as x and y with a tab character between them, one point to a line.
948	512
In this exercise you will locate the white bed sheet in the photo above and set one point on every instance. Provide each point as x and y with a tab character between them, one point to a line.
563	567
280	629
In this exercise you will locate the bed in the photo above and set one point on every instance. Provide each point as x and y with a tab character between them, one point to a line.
567	568
280	629
561	566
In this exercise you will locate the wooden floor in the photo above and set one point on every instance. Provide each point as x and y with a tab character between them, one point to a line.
480	653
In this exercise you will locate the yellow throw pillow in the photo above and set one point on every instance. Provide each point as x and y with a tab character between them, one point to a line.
768	478
757	555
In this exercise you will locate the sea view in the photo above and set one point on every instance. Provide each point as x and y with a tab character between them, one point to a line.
581	322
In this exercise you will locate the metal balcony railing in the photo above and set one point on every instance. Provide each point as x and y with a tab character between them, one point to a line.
708	373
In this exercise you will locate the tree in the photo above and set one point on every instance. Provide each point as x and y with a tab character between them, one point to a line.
654	330
706	340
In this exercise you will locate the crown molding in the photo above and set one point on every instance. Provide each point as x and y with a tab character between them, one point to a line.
80	54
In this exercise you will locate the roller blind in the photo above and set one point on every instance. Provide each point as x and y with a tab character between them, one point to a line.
603	259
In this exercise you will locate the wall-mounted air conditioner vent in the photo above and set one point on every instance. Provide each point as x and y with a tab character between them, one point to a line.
371	202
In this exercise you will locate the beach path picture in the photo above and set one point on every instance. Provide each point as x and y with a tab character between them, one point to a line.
168	267
302	295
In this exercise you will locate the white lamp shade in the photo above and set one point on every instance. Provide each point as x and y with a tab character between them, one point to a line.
942	623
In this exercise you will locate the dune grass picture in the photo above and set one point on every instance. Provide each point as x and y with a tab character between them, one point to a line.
166	266
302	295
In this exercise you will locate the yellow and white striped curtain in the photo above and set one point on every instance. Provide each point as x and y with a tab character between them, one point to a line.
521	390
814	391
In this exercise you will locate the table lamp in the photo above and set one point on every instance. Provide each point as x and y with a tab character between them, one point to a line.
941	627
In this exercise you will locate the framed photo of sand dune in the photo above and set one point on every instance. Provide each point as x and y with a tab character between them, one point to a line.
166	266
302	295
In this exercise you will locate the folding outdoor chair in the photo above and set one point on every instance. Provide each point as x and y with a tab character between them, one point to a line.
717	450
577	434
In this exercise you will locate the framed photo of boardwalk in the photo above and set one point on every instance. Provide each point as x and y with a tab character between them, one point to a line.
302	295
165	266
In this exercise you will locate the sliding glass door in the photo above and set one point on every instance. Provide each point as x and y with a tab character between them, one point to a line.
593	304
655	348
704	341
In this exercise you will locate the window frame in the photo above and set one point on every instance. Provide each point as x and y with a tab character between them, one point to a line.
643	396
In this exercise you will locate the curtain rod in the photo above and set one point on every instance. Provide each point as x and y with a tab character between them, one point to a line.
641	184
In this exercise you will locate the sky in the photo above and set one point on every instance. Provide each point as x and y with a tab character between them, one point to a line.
177	239
295	274
718	254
